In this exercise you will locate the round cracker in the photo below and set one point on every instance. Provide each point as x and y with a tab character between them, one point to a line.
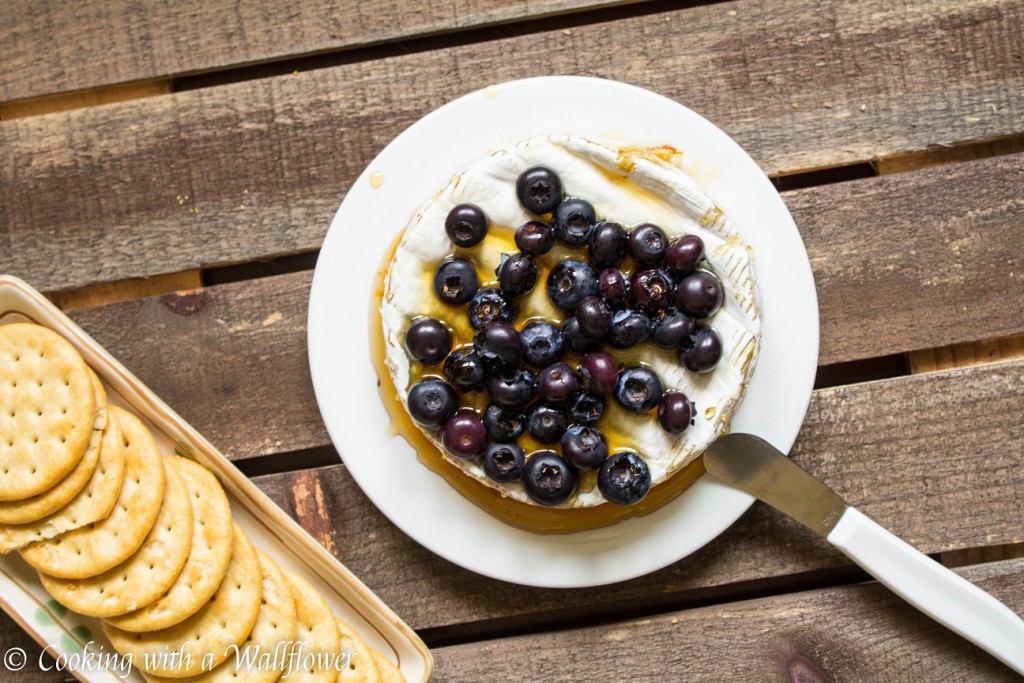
93	503
56	497
389	673
207	559
263	656
204	640
97	547
317	643
357	663
147	574
47	409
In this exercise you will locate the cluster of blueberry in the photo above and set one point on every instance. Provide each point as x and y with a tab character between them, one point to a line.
529	386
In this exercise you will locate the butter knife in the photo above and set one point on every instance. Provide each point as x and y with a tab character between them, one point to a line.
751	464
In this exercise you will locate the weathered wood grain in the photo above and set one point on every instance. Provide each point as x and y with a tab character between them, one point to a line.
256	169
230	359
933	457
915	261
53	46
861	633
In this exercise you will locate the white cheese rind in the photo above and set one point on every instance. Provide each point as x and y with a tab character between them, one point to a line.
629	186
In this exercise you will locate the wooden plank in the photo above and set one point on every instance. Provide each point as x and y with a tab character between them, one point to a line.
51	46
889	447
237	350
895	258
862	633
968	353
255	169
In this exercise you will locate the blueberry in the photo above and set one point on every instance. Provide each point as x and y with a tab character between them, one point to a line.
489	304
683	254
652	289
575	338
548	479
594	316
639	389
556	384
503	462
428	341
539	189
545	423
624	478
629	328
465	369
608	244
499	343
535	238
503	424
464	435
585	408
700	293
512	387
703	352
543	343
675	412
466	225
584	446
570	281
573	221
672	329
517	275
431	402
455	281
613	287
601	373
647	244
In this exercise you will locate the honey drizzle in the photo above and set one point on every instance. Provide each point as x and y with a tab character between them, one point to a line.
516	513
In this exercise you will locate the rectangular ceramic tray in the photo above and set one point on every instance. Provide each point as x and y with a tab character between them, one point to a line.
65	633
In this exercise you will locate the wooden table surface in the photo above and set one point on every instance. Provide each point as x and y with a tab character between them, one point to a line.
168	172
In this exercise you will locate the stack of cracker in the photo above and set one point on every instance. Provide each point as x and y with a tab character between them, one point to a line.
145	541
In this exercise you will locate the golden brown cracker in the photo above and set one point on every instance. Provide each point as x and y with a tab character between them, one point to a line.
47	409
147	574
264	655
389	673
207	559
92	504
357	663
62	493
204	640
97	547
318	641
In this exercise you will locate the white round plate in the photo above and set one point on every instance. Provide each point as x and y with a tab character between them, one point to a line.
410	170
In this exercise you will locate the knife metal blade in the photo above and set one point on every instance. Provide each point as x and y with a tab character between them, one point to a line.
757	467
753	465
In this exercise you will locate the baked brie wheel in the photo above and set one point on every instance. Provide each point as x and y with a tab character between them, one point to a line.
547	329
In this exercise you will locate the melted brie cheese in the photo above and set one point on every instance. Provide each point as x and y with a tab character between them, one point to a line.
625	185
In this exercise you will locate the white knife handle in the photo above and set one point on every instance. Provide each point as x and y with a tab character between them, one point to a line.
935	590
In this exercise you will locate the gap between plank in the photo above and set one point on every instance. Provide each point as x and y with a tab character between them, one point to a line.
633	609
81	99
430	42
